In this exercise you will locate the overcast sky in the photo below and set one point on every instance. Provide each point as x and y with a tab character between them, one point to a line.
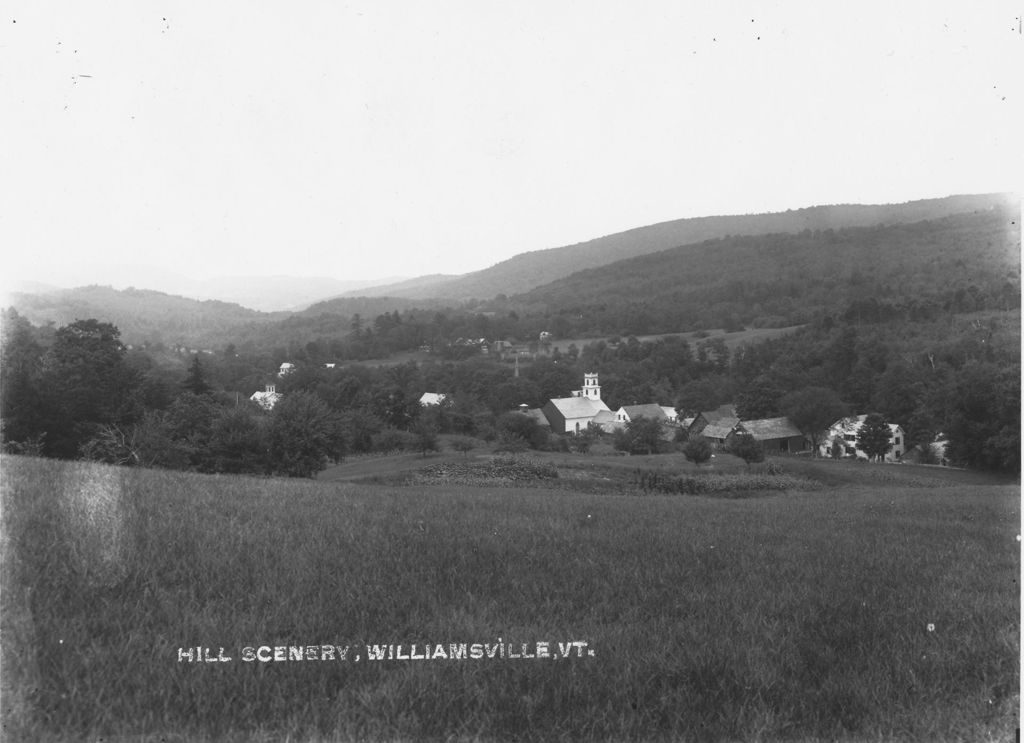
369	139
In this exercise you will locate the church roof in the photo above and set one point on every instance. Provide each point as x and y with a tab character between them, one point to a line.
577	407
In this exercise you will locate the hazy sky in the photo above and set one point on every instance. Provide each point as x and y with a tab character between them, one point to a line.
370	139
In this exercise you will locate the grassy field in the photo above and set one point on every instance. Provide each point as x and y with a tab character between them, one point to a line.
881	605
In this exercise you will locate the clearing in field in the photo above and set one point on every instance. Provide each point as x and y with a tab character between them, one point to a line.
856	602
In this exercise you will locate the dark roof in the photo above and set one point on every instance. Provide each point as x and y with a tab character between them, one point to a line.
719	413
649	410
718	430
770	428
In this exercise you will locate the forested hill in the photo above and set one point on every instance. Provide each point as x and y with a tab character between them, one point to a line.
141	314
961	263
527	271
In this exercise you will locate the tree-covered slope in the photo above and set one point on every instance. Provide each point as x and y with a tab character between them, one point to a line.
526	271
139	314
964	262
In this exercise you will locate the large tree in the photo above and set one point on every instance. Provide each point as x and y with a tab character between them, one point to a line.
304	435
639	436
873	437
196	382
19	389
812	410
85	385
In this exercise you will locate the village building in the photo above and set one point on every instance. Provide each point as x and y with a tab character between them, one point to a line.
845	431
606	421
718	433
432	398
286	368
776	435
628	413
268	398
724	416
574	414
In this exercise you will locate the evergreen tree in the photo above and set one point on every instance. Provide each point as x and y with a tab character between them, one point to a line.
873	437
195	382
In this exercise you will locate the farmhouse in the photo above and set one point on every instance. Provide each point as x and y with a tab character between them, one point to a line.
776	435
286	368
268	398
845	431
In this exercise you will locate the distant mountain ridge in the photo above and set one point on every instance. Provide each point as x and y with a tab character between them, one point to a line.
804	261
140	314
527	271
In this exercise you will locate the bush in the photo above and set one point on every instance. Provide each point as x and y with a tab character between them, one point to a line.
747	448
697	450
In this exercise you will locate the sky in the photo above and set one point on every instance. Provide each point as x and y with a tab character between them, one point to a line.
360	140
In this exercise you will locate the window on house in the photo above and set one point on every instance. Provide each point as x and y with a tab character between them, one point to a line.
897	441
850	437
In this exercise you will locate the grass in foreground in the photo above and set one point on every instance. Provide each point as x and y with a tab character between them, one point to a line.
885	613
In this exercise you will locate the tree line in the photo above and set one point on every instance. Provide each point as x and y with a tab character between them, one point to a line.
78	391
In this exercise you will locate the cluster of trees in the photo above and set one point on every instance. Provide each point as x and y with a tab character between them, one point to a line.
78	390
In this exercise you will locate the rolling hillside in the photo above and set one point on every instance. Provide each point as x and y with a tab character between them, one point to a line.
965	261
140	314
529	270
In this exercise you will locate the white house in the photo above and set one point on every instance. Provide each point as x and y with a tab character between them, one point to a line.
845	431
432	398
268	398
286	368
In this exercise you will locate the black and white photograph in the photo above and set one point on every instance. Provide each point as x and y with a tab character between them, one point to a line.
478	371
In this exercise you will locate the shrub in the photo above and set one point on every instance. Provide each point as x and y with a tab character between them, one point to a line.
697	450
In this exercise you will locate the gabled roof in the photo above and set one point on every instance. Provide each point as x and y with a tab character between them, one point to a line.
669	412
264	399
604	416
432	398
717	430
852	424
649	410
577	407
719	414
769	428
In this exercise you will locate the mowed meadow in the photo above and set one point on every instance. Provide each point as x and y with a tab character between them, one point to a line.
879	611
